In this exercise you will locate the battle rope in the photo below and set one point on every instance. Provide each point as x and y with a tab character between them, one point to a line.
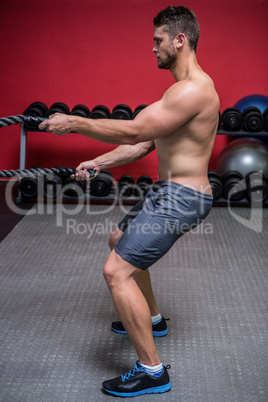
62	171
31	122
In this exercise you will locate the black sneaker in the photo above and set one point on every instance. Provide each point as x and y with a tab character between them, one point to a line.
138	382
159	329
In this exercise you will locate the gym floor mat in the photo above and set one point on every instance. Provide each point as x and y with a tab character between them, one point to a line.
55	338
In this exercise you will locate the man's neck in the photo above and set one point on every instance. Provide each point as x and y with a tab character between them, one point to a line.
184	67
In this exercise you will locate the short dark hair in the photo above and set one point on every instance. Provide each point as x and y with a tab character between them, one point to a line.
179	20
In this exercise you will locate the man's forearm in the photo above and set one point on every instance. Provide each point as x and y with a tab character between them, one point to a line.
124	154
105	130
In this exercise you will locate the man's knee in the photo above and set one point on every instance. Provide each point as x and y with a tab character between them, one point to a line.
117	270
110	269
115	236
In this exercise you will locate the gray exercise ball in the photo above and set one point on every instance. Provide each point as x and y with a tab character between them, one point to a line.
244	155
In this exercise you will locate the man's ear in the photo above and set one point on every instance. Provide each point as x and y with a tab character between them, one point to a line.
180	39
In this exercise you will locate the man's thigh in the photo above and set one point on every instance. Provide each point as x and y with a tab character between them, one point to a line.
144	241
167	214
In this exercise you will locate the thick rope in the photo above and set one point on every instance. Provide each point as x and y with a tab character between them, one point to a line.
61	171
8	121
31	122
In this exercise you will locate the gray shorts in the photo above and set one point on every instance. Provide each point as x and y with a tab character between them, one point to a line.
152	226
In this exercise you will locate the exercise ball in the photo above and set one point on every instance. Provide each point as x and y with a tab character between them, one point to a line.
244	155
259	101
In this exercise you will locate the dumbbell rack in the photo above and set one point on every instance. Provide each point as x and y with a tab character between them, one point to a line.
132	199
242	133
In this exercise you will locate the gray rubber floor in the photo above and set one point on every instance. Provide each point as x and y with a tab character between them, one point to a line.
55	338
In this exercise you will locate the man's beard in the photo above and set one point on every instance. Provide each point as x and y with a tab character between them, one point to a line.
168	62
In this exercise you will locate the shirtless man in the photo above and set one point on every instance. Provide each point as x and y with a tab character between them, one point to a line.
181	127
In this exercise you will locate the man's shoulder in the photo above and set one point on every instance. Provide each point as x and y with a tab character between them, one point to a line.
187	90
193	94
181	90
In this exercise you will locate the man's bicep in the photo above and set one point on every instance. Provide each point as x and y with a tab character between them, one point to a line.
164	117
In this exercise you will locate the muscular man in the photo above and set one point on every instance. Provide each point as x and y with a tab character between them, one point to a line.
181	127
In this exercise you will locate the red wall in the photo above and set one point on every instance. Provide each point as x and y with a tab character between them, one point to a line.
99	52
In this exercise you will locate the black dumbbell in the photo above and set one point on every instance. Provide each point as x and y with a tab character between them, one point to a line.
122	112
125	185
36	109
257	188
231	119
101	185
144	182
28	187
234	188
35	114
265	118
216	184
138	109
73	188
100	112
52	186
80	110
253	120
58	107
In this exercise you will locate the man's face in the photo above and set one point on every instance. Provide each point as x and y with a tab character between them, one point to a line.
164	49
